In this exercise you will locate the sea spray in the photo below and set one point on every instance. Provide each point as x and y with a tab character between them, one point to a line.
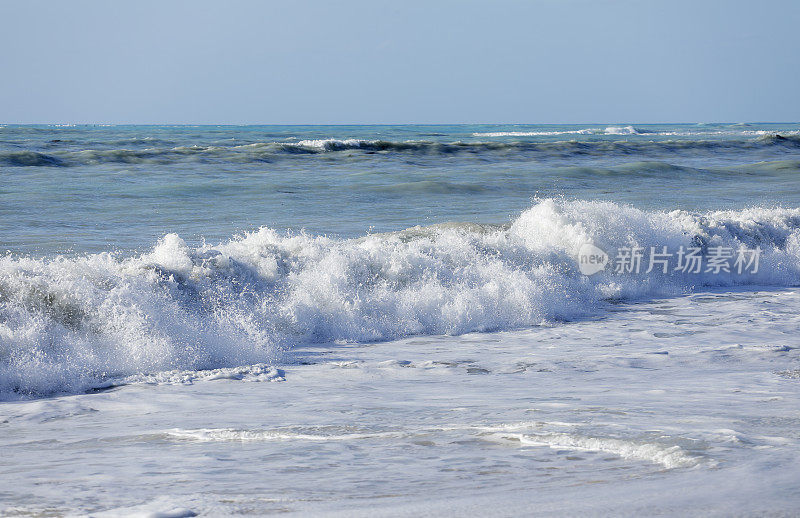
68	324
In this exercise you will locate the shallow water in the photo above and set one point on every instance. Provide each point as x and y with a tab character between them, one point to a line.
653	403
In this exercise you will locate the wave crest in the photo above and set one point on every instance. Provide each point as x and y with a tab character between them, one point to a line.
68	324
520	149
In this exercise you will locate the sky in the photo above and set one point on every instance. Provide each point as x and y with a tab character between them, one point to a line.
398	61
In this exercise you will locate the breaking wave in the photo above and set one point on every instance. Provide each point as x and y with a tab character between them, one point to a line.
68	324
631	130
610	130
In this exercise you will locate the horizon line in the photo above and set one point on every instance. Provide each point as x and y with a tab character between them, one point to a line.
387	123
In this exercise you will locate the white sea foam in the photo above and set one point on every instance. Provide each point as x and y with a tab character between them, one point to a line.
321	434
631	130
670	457
258	372
535	133
330	144
610	130
67	324
621	130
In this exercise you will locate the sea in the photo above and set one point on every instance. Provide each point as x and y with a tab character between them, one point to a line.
403	320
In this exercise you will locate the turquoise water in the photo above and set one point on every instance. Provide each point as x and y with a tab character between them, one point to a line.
77	189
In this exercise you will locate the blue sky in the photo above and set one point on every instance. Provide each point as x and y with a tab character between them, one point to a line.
535	61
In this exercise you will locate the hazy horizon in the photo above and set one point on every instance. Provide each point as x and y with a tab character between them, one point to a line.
614	123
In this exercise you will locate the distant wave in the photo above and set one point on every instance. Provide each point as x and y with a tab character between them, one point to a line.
622	130
71	324
630	170
631	130
270	151
536	133
29	159
610	130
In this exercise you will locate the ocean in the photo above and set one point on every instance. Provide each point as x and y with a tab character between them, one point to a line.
400	320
